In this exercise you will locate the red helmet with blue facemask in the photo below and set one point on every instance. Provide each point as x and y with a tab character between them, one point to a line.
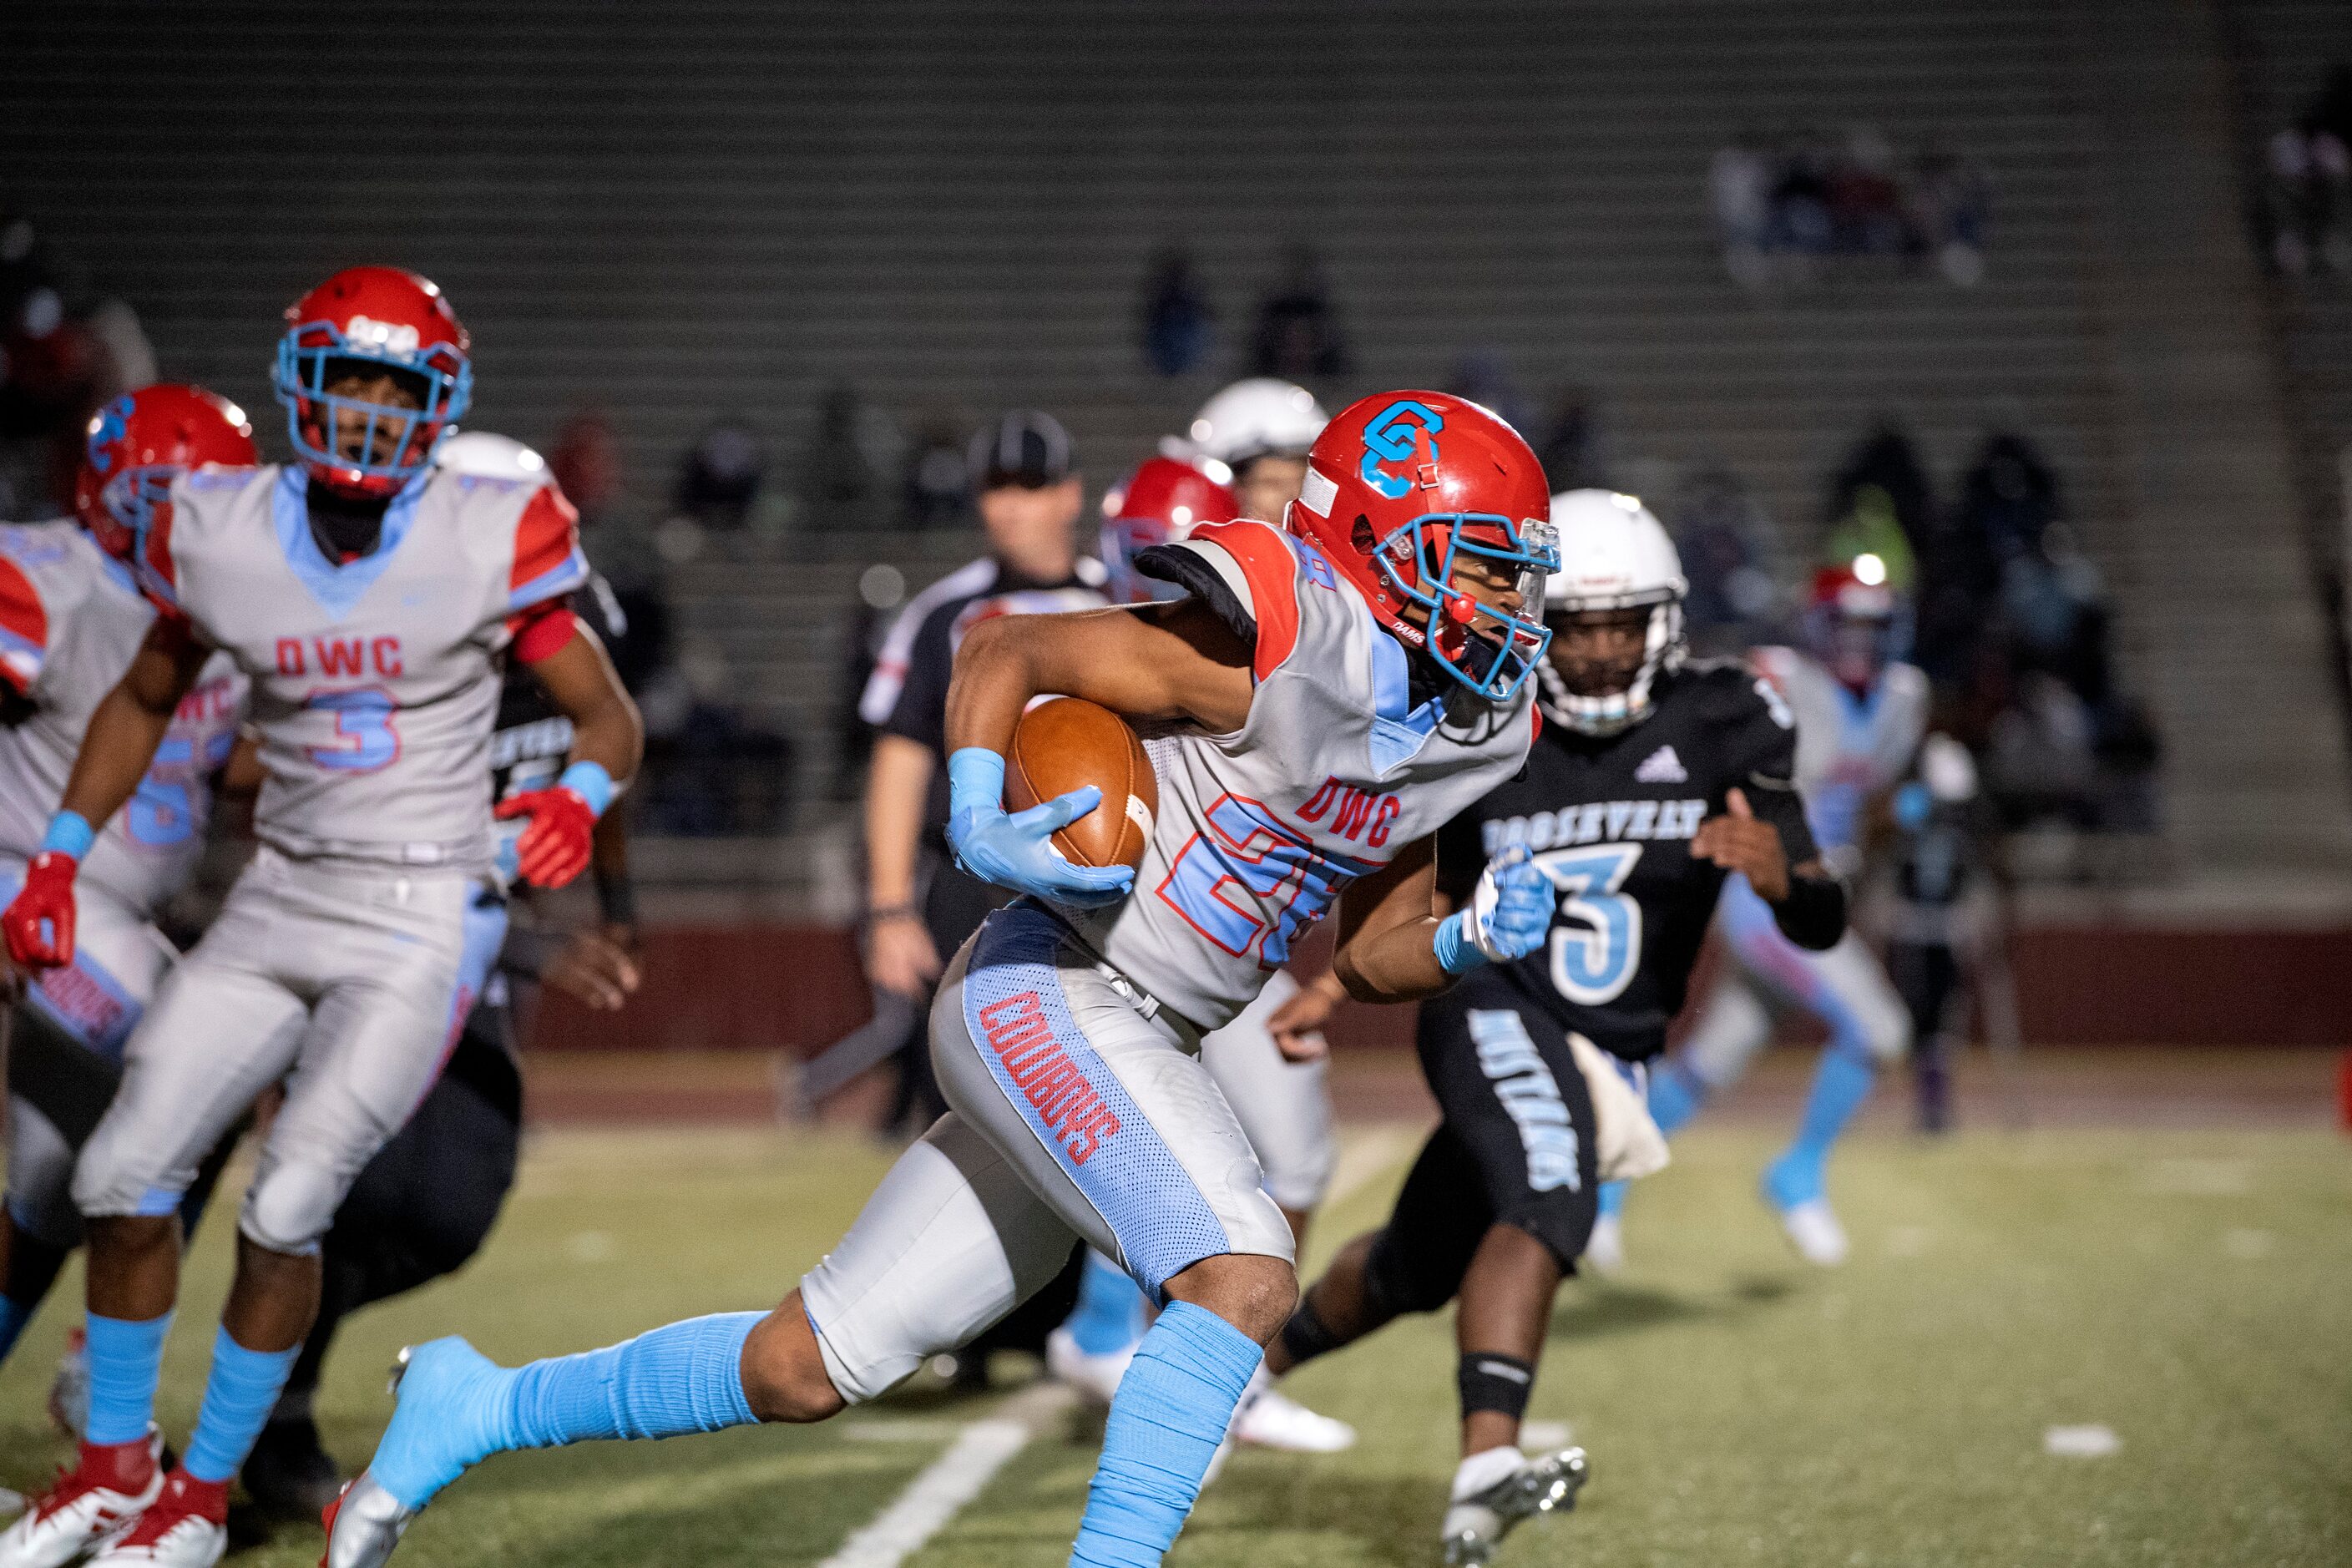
1856	621
1163	500
139	444
387	318
1403	488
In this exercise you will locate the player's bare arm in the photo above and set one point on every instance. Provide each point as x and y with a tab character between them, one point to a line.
900	956
1402	939
119	744
606	728
607	742
1808	900
1177	664
1174	663
1298	1024
1388	926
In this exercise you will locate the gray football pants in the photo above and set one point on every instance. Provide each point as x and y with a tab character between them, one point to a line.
346	983
95	1003
1073	1116
1284	1106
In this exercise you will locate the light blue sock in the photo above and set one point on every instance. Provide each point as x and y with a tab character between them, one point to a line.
456	1409
1611	1200
126	1361
14	1316
1109	1316
687	1377
1675	1096
239	1393
1840	1084
1170	1413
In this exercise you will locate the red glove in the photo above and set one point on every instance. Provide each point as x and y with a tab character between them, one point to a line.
554	848
47	900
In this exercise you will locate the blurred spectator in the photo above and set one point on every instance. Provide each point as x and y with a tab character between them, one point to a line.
936	490
64	351
1570	444
1950	206
719	478
1886	461
1178	325
1298	336
1739	190
1484	377
1801	199
1780	207
1865	203
710	771
841	484
1869	528
1725	540
586	463
2306	186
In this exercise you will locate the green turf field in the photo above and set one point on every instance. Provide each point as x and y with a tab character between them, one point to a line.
2192	1291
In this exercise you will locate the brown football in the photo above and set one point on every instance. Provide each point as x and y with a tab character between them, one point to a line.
1066	743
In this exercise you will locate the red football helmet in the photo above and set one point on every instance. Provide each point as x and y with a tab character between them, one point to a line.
1163	500
1856	621
140	443
1401	483
379	316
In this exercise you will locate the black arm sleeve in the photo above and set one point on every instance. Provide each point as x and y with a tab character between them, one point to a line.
1188	571
1765	753
920	714
1813	914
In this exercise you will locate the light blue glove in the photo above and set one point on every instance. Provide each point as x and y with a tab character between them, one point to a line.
1506	918
1016	851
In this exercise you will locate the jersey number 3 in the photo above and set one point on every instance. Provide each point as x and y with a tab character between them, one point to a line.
365	738
1594	955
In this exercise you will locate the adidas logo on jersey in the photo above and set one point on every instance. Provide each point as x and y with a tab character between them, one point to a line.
1661	766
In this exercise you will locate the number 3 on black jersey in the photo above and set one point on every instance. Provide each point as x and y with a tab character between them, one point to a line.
1595	948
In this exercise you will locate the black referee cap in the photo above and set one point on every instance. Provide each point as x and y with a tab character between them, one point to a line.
1024	447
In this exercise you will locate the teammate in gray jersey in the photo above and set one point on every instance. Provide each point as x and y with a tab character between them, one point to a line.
372	601
70	620
1322	700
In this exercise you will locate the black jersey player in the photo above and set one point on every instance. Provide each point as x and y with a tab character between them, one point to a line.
1653	779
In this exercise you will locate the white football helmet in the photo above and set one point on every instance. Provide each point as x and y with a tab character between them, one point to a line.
1613	555
1260	418
478	454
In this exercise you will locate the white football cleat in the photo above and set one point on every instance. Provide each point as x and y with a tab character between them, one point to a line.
1489	1505
1605	1248
1269	1418
1096	1376
1814	1231
174	1533
80	1514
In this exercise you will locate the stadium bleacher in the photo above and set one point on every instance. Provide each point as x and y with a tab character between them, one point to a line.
955	205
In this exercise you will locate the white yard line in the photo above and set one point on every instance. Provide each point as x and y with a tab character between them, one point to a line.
951	1480
982	1447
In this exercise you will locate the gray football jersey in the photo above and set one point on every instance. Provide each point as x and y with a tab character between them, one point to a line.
1337	770
86	620
1850	748
375	680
